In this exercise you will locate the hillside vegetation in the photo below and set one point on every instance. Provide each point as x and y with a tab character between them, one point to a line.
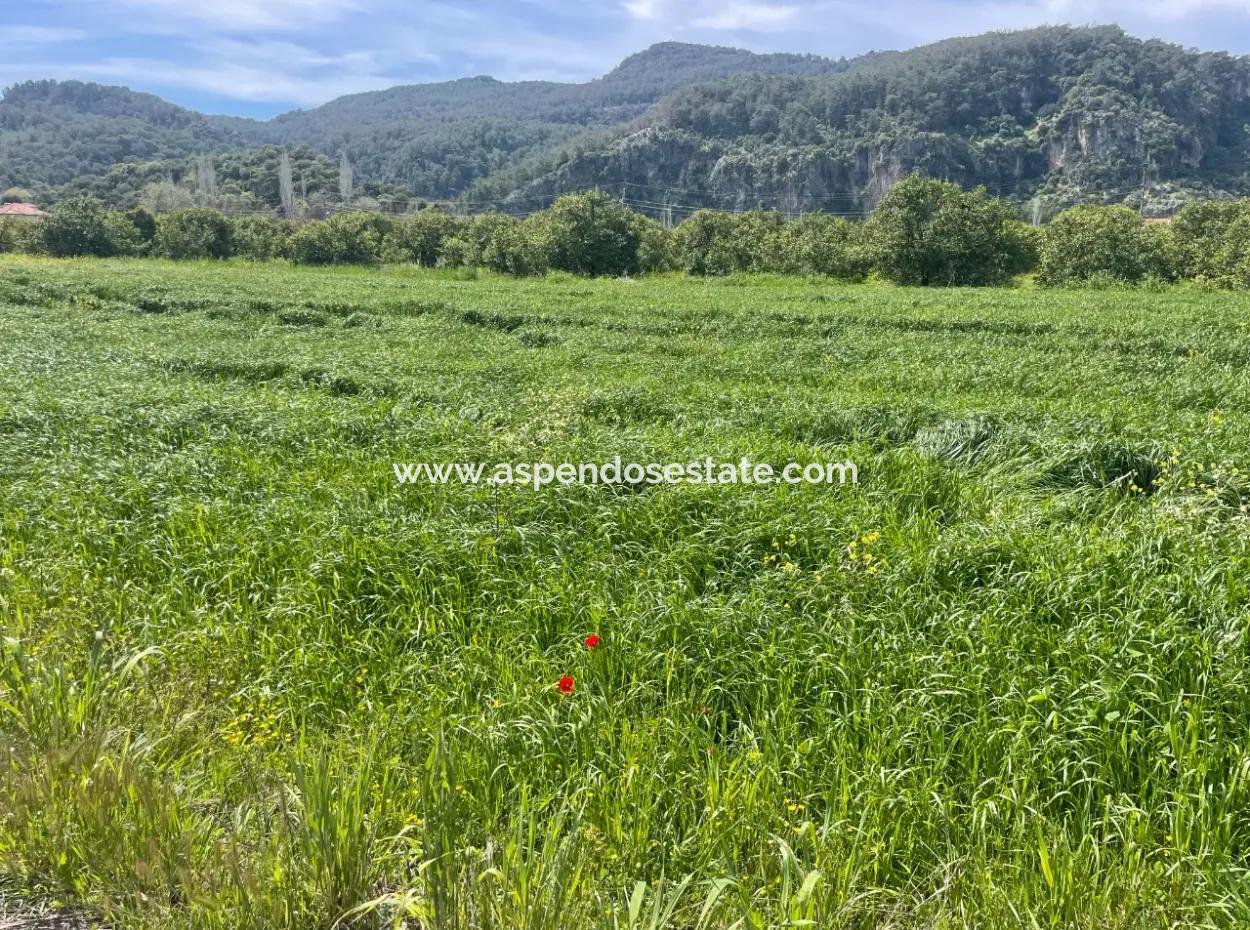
432	139
1059	115
1048	117
250	681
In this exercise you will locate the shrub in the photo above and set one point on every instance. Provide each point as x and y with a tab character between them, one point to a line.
930	232
455	254
420	238
467	248
313	244
750	235
344	239
1210	242
143	222
700	243
699	240
260	238
591	234
27	237
714	243
817	245
124	238
1101	243
195	233
130	233
78	226
517	248
655	247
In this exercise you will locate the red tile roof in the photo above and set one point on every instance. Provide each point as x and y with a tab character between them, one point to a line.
20	209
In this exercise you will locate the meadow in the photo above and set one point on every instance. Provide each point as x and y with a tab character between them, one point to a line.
250	681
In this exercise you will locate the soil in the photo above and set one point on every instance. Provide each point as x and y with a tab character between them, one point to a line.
25	915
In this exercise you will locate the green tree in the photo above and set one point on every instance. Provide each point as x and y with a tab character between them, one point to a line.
194	233
710	242
518	248
421	237
655	246
78	226
591	234
343	239
17	195
467	248
144	223
929	232
1211	242
260	238
697	243
22	236
1101	243
817	245
124	238
165	197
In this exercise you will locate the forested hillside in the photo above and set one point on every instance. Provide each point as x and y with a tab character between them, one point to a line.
52	133
432	139
1047	117
1062	115
436	139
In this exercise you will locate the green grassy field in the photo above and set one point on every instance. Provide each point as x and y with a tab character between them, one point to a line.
252	681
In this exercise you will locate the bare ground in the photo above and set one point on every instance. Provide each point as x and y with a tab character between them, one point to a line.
26	915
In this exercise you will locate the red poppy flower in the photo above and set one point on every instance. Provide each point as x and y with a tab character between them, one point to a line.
591	641
566	685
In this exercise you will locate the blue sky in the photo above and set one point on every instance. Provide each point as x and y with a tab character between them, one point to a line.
261	57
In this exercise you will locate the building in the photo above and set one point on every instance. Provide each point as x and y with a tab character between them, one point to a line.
21	211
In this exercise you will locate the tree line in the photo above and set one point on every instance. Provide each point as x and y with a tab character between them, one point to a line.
925	232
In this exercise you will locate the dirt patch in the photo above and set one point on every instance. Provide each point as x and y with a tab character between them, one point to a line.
24	915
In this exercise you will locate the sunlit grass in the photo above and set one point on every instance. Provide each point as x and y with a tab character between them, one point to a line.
250	681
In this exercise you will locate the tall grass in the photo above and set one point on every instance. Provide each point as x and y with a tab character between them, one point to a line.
250	681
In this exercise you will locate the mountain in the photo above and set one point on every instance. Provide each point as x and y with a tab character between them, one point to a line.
53	132
1046	117
431	139
436	139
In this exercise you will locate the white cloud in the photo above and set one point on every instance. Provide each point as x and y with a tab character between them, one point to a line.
898	23
719	15
258	71
1173	10
297	76
40	35
244	16
644	9
237	82
285	59
748	15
